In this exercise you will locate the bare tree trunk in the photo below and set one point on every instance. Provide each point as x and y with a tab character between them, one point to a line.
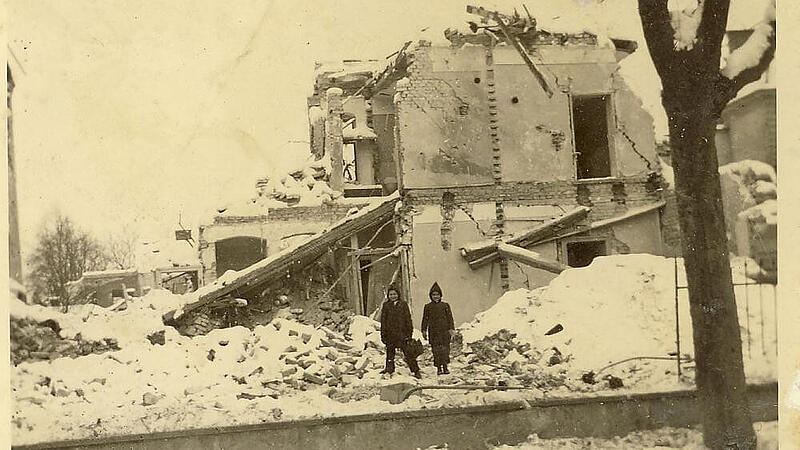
718	349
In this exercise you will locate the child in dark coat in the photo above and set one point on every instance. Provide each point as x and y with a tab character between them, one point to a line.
396	330
437	326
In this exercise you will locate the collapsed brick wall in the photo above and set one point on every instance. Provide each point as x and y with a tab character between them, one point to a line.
304	295
328	212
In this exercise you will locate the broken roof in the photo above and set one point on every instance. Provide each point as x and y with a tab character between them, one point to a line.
297	256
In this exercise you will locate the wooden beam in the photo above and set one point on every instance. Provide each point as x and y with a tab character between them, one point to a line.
529	258
297	257
481	252
514	41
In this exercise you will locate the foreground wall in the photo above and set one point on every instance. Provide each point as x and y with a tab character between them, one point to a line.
472	427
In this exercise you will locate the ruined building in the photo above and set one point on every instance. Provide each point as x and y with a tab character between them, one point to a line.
487	162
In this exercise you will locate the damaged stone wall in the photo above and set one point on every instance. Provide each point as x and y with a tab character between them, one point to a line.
274	227
444	124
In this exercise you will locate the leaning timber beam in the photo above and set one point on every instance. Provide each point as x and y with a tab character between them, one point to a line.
529	258
484	252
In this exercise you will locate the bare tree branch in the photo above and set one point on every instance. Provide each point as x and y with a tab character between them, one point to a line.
727	88
712	28
658	33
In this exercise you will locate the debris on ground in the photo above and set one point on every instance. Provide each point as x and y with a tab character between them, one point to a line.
684	438
161	380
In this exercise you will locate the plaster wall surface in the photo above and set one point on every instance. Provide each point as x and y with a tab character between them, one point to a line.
751	130
472	291
443	116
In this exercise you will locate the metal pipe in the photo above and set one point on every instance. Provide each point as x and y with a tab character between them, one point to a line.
761	310
663	358
677	323
747	307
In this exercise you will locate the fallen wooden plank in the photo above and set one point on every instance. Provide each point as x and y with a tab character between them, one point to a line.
529	258
514	41
474	252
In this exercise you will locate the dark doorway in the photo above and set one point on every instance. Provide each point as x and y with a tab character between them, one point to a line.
581	254
590	122
236	253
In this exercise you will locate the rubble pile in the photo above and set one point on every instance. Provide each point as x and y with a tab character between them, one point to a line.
32	340
226	377
305	297
304	185
546	340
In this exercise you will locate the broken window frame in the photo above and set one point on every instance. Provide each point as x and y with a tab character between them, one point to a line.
350	167
610	127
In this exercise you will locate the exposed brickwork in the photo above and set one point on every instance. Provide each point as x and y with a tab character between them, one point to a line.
562	193
329	213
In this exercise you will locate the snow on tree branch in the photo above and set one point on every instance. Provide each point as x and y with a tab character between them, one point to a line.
685	18
751	53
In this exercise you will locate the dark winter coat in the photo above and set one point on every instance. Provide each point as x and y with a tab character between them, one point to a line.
395	322
437	321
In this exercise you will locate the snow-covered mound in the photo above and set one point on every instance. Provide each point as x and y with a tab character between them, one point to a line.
620	307
141	317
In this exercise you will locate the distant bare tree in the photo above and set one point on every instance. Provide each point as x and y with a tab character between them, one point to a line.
120	249
63	253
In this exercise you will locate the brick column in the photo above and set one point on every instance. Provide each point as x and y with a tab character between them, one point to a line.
316	121
497	173
333	137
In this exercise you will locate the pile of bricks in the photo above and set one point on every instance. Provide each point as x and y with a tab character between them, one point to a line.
32	341
336	362
493	348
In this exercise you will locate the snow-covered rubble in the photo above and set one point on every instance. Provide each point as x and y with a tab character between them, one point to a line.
305	184
617	308
160	380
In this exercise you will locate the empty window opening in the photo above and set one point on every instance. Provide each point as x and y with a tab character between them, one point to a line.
349	163
590	115
581	254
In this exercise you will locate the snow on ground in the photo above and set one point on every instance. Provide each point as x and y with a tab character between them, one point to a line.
621	307
142	317
766	433
286	370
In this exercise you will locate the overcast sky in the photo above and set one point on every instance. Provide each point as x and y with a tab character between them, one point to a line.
127	114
